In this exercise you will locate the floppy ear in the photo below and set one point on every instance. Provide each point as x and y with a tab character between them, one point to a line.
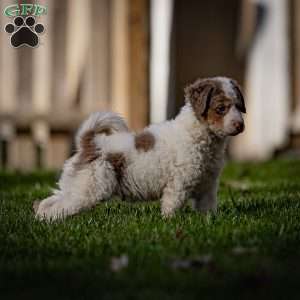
199	94
239	96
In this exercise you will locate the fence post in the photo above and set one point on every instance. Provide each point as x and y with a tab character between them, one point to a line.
8	92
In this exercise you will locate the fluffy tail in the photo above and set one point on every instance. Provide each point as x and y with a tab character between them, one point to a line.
98	123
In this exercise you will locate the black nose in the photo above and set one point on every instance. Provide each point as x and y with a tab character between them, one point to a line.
239	126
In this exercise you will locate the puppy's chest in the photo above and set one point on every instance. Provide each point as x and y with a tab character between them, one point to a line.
201	164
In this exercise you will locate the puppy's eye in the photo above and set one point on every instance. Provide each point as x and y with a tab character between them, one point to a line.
221	109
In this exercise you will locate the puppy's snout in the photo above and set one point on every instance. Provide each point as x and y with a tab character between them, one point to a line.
239	126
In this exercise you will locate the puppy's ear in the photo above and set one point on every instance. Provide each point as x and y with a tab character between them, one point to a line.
199	94
239	96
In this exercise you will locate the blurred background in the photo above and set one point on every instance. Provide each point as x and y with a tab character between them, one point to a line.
135	57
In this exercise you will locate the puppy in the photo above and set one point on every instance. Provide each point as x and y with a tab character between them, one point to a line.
173	161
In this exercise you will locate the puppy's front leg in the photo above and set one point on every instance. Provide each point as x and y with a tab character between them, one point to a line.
172	199
205	199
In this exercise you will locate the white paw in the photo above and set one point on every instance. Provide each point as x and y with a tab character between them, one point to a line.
167	213
48	209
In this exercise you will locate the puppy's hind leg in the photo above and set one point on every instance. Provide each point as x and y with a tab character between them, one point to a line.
79	190
86	177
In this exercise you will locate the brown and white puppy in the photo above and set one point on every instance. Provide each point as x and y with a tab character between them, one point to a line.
173	161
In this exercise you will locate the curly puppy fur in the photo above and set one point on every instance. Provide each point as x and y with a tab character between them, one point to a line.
173	161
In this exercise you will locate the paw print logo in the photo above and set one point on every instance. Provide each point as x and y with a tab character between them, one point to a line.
24	31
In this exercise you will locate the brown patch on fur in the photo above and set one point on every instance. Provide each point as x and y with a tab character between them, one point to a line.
105	130
118	162
144	141
213	117
88	151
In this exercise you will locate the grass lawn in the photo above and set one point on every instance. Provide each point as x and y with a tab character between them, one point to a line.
250	248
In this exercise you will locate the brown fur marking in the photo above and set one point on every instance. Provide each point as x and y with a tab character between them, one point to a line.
105	130
217	101
88	148
118	162
200	94
144	141
213	118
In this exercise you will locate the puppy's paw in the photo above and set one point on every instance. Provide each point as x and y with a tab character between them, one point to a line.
36	205
48	209
167	213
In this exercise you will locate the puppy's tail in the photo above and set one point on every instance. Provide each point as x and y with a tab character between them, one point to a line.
106	123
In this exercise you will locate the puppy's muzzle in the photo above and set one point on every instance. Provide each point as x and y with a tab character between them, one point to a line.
238	127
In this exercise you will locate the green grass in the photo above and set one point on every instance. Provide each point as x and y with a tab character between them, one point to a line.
259	210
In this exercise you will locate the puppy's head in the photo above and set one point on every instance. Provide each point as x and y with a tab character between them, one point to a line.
217	102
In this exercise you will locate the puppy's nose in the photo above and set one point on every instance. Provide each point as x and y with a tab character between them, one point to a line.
239	126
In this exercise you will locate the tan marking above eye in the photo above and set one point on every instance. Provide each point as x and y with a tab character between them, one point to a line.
215	119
